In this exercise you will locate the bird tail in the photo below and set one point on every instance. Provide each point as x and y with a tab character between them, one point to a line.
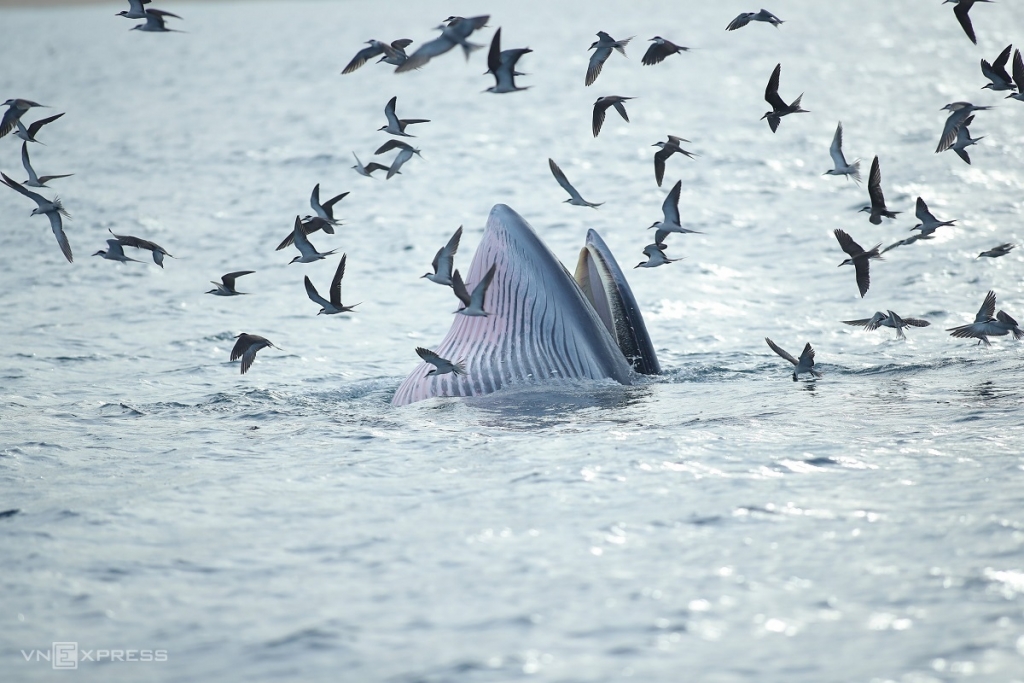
469	48
855	170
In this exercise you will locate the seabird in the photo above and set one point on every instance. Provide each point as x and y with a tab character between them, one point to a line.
129	241
310	224
16	108
877	208
996	252
655	257
325	210
457	30
602	50
33	179
444	261
502	65
668	149
226	287
996	72
1018	77
888	319
964	140
334	305
114	252
396	56
246	348
135	10
155	22
929	223
908	240
670	215
859	259
839	161
396	126
29	134
985	325
747	17
473	304
659	50
574	197
369	168
53	210
601	106
404	154
960	111
395	51
961	10
779	106
805	364
307	252
442	366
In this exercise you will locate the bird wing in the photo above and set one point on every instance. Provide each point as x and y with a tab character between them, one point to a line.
240	346
28	164
389	112
562	180
867	323
428	356
782	352
961	11
401	43
862	268
847	243
329	204
57	226
390	145
301	241
922	212
18	187
599	111
459	287
362	56
229	278
314	295
619	107
951	129
400	159
249	355
988	308
494	54
836	150
659	162
740	21
999	66
962	153
670	207
36	125
807	357
657	53
447	253
1018	73
480	291
916	322
597	61
771	92
336	282
374	166
426	52
875	185
10	118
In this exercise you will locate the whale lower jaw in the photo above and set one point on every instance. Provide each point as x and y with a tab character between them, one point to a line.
542	326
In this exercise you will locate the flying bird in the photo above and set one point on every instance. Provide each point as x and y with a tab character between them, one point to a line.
155	22
888	319
601	106
310	224
655	254
988	324
114	252
52	209
444	261
326	209
29	134
473	304
307	252
405	152
369	168
839	161
961	11
805	364
747	17
996	252
602	48
135	10
670	215
139	243
859	259
226	286
246	348
929	223
660	49
574	196
779	106
33	179
502	65
456	32
395	51
442	366
668	149
964	140
16	108
395	125
959	113
334	305
877	208
996	72
908	240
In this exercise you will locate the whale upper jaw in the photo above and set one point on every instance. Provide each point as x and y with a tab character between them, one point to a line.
543	326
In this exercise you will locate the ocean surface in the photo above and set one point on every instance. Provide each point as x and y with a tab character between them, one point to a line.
718	523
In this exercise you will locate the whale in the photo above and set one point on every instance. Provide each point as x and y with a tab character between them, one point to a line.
543	324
